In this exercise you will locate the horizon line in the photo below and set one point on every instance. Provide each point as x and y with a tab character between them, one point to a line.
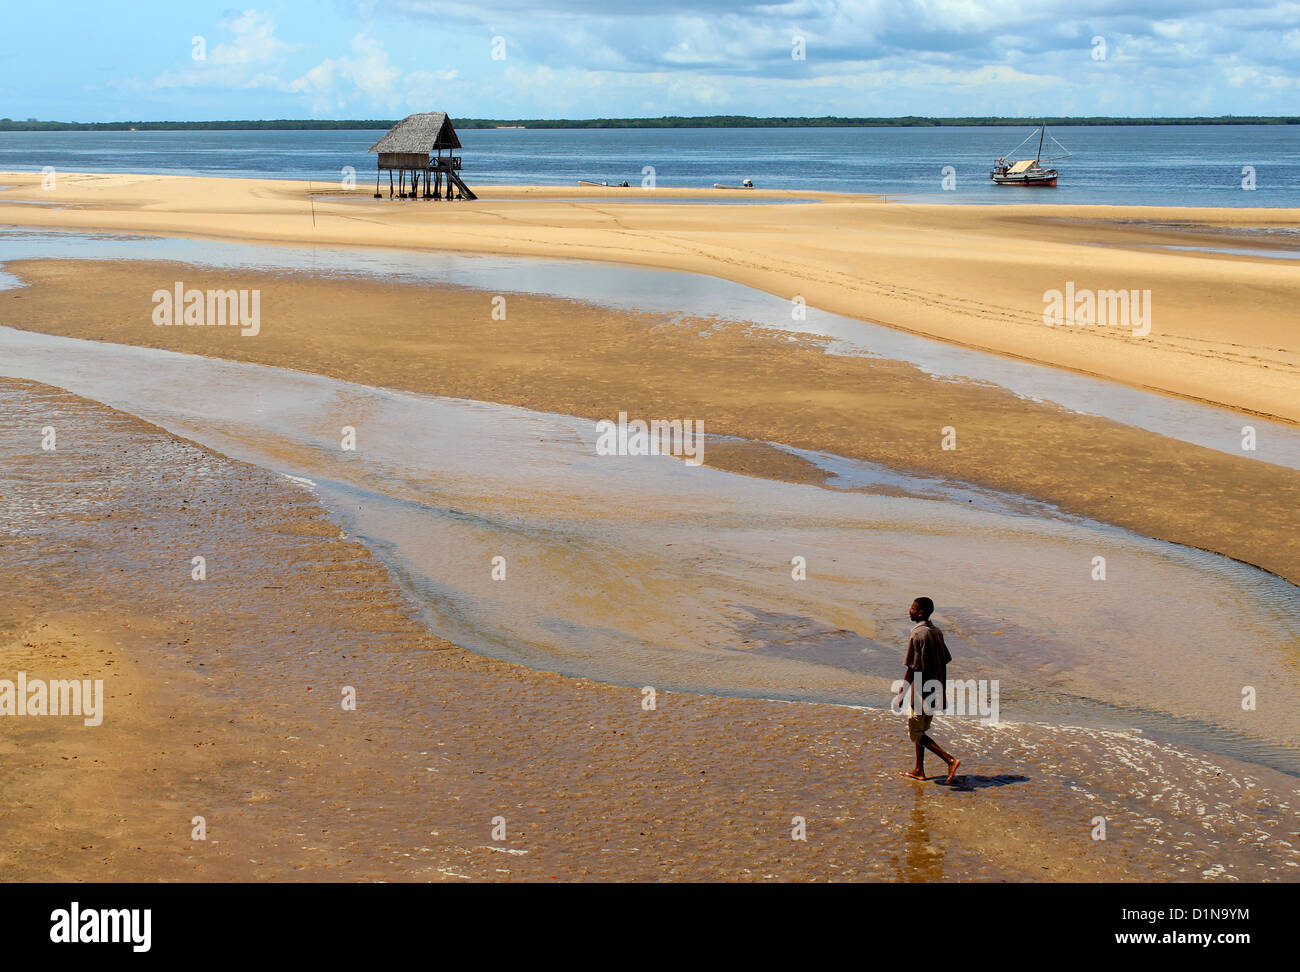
671	121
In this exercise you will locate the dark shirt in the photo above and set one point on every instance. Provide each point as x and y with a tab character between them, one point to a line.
927	654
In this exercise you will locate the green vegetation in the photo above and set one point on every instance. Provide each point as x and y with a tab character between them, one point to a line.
668	121
830	121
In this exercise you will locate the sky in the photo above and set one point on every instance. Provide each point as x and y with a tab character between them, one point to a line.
194	60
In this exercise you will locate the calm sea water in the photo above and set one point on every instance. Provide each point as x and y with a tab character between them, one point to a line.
1173	165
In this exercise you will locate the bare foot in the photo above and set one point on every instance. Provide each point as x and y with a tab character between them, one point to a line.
952	770
914	775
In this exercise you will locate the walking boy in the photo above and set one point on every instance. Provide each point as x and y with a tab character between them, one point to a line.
928	655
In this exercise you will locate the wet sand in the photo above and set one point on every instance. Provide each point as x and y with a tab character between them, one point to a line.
224	695
223	701
969	275
573	358
638	569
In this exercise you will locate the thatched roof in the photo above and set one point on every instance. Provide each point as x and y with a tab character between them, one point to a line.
422	132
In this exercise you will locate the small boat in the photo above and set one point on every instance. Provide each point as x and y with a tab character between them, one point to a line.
1029	172
603	185
745	184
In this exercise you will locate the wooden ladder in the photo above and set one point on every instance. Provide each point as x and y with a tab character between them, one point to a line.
455	180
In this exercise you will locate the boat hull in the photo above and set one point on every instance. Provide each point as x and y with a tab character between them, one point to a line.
1045	180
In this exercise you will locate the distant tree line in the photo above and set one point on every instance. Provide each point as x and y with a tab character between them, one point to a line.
667	121
832	121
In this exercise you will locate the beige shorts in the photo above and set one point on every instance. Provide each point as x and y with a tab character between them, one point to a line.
917	726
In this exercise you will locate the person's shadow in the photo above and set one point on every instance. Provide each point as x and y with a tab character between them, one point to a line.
969	781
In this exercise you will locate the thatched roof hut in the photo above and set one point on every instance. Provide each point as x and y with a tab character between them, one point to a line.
414	146
426	132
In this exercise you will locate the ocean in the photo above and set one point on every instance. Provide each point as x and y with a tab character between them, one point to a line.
1194	165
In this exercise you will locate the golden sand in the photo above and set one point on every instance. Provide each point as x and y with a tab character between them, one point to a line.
223	697
230	710
1222	331
564	356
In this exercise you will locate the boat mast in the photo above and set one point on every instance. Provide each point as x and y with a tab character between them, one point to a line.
1041	134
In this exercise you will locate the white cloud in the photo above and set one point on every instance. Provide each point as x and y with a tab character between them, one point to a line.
368	77
251	58
582	58
254	41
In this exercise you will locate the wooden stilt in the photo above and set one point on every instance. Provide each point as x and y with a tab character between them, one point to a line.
423	147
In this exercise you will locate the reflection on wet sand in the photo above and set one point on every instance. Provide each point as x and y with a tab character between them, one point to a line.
641	570
922	857
218	699
686	296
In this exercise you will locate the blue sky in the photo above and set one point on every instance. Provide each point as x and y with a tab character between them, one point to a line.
578	58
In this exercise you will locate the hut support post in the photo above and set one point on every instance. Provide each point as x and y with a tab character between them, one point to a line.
415	147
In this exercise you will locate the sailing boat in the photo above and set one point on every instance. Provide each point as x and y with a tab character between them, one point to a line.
1029	172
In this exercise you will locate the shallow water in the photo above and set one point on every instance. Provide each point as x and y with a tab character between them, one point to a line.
644	571
1238	251
693	295
1179	165
740	199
